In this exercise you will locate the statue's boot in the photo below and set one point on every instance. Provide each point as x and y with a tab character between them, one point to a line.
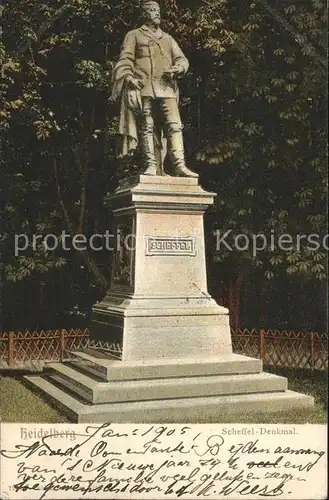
159	160
177	156
148	151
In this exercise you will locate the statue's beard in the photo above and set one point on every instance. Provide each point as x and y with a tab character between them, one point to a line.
156	21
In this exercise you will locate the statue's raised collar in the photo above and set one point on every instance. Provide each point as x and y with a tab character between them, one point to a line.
154	34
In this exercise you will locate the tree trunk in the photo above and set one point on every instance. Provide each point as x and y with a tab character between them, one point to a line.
94	269
262	297
86	256
234	296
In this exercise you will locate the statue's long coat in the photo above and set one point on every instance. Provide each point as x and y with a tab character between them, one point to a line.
145	55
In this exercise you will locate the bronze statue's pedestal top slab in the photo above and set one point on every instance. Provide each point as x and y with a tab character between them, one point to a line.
170	194
156	180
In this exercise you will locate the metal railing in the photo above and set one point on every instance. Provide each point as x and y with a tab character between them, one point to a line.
32	349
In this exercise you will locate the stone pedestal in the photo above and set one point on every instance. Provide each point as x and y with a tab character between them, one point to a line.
158	305
177	362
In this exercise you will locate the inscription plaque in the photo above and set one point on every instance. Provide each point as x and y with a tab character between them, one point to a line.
156	245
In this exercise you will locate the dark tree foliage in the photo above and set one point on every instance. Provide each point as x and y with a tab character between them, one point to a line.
253	105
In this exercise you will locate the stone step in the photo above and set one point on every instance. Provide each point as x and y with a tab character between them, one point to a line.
187	410
97	392
108	369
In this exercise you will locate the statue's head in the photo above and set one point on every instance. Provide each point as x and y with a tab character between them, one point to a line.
151	12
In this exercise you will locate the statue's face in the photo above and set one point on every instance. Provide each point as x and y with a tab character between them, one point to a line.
152	13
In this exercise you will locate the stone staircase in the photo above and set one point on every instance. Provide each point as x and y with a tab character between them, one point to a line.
95	388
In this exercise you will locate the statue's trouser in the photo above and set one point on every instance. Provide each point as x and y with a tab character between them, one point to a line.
168	112
147	136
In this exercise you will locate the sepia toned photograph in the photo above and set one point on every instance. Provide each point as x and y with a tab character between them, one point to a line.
164	246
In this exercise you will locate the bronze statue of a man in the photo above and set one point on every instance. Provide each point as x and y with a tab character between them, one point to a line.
145	83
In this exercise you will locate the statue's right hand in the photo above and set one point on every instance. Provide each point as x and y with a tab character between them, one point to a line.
133	83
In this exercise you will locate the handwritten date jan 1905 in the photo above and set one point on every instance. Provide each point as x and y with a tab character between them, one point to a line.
160	462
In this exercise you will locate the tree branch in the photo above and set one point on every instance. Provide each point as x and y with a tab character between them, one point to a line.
44	27
61	199
87	259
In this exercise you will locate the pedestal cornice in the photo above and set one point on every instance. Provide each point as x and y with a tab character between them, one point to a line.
159	194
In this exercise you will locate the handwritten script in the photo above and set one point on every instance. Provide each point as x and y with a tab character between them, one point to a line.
116	461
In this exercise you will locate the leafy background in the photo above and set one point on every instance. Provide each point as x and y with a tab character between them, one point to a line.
254	108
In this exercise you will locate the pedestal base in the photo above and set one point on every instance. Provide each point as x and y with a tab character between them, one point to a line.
159	328
96	389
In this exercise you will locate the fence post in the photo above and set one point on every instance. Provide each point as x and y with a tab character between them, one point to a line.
11	350
262	345
62	344
312	351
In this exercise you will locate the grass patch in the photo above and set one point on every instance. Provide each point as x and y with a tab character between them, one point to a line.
20	403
